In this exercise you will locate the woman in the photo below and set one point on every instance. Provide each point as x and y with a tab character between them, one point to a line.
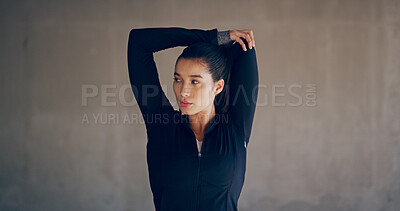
196	156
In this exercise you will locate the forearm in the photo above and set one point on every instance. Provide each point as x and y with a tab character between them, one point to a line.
156	39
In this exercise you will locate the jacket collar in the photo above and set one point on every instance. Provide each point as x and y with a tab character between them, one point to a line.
217	119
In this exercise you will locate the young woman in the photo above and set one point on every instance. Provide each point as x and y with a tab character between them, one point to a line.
196	156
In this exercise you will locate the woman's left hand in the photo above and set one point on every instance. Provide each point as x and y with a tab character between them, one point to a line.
246	34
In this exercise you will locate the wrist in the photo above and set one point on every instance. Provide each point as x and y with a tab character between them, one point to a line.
224	37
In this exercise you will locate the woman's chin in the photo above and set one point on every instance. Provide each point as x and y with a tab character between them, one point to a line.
187	111
184	111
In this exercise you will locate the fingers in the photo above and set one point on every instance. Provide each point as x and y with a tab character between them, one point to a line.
252	38
245	35
249	36
249	41
240	41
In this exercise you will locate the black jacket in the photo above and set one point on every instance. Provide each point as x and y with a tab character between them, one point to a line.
182	179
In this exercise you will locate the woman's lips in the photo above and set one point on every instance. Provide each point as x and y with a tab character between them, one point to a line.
185	103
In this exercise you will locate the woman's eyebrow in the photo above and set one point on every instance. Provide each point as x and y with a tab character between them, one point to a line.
199	76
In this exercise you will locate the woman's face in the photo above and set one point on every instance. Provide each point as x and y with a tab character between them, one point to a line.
194	84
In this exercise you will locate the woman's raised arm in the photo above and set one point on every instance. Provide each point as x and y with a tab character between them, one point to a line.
244	81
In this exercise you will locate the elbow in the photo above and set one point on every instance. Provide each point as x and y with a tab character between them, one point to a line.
133	39
132	36
133	33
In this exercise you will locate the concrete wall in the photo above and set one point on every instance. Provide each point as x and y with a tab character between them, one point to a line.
342	153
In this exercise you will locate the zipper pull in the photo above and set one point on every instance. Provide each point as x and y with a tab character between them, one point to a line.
199	154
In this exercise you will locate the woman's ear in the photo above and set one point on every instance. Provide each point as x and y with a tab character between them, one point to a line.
219	86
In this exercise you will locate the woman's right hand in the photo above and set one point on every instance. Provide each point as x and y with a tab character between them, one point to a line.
246	34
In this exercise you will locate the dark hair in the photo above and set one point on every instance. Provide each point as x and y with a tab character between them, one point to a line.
218	62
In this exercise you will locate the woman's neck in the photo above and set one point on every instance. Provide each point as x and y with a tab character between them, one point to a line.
201	121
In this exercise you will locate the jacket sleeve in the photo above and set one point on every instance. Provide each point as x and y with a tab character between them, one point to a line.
243	88
143	75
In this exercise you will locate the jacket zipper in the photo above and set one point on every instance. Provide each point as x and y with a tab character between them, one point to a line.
198	176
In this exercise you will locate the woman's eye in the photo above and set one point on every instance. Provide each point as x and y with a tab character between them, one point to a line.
179	80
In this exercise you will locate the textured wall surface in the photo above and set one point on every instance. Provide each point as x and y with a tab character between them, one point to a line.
326	134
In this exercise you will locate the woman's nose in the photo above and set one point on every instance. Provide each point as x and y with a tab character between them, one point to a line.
185	92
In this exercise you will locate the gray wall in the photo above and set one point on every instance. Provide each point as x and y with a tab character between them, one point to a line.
341	154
